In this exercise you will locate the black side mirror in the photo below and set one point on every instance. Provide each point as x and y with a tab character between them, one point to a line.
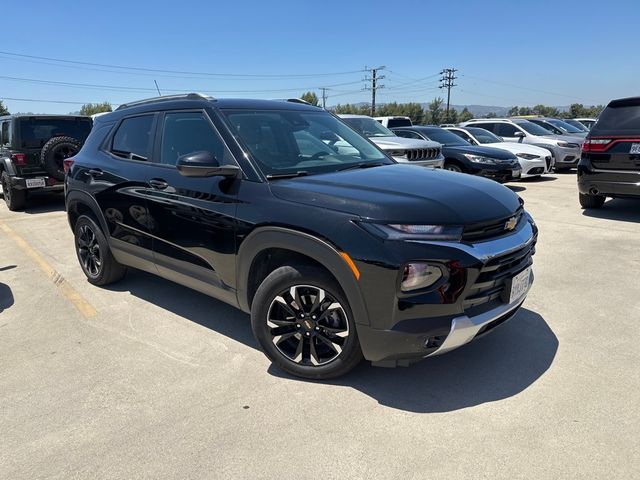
518	135
204	164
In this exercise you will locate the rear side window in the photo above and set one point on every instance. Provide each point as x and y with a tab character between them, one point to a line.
188	132
132	140
4	134
506	130
486	126
35	132
619	118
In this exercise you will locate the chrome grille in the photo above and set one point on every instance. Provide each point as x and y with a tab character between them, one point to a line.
494	228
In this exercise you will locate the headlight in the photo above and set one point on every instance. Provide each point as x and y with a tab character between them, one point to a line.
398	231
419	275
527	156
479	158
568	145
396	153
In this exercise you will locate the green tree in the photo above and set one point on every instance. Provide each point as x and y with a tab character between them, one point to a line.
491	115
545	111
93	108
349	108
435	111
3	109
513	111
310	97
452	117
465	115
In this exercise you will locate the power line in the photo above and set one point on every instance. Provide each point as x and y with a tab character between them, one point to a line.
180	72
48	101
448	76
375	86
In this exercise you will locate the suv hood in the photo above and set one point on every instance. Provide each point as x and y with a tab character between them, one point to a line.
391	143
403	194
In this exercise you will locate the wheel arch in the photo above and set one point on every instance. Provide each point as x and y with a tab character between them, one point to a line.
301	246
79	203
7	166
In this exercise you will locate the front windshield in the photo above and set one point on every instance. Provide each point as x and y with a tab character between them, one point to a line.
484	136
565	126
368	127
533	128
293	142
445	137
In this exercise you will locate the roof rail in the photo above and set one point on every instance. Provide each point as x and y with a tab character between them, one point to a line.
296	100
166	98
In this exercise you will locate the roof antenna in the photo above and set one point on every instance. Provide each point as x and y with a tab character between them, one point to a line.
157	88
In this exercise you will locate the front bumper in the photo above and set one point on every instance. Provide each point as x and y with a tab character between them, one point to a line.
534	167
417	330
500	174
566	157
609	183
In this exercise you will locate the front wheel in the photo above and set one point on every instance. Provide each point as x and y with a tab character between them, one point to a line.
304	324
591	201
452	167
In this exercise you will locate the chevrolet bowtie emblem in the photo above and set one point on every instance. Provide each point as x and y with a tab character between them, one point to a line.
511	223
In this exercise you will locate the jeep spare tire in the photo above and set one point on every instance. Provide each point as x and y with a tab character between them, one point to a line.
55	151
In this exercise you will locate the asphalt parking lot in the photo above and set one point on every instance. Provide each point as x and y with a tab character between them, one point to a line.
147	379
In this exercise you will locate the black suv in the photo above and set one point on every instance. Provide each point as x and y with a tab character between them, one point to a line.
32	152
336	256
461	156
610	161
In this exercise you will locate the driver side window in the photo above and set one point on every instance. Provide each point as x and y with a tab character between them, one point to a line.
189	132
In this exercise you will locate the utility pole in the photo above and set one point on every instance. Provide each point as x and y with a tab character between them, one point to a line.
374	79
448	76
324	97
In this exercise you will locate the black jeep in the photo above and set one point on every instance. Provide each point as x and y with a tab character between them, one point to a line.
32	151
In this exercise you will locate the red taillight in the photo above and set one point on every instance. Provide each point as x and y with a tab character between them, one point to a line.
596	145
19	158
67	163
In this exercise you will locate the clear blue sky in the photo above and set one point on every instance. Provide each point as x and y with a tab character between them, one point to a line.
507	52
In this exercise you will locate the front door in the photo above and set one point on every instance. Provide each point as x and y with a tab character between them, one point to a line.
193	218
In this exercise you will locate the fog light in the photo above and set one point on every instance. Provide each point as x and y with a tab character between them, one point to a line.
419	275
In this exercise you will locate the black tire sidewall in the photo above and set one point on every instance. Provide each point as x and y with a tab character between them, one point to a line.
17	198
46	155
105	253
281	279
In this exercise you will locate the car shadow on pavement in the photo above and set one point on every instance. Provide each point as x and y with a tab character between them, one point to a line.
45	202
541	179
516	188
497	366
190	304
6	297
623	210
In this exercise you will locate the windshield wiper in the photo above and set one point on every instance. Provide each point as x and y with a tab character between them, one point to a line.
300	173
362	165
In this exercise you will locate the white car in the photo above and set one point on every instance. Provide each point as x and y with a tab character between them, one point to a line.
535	161
404	150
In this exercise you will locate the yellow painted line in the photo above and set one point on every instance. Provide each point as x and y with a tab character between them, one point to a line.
70	293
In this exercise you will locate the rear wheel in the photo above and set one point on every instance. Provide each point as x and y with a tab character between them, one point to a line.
591	201
94	254
304	324
15	198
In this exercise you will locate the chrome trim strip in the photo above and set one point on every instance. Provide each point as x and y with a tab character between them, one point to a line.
600	170
464	328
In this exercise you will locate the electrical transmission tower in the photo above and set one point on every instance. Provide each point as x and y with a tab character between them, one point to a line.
446	81
375	86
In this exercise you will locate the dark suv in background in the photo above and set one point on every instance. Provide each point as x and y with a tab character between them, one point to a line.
32	152
610	161
336	256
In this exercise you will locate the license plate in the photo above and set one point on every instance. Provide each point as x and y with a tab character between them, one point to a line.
635	149
35	182
520	285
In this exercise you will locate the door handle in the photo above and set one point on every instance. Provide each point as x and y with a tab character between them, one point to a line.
95	172
158	183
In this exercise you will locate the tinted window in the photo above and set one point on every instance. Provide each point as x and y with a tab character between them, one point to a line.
368	127
408	134
620	117
567	127
35	132
445	137
398	122
548	126
534	129
4	134
462	135
133	138
188	132
484	136
486	126
506	130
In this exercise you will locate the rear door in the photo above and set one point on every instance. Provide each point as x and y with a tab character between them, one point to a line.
194	218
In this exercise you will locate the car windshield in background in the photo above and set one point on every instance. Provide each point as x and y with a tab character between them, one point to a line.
445	137
368	127
484	136
577	125
534	129
35	132
287	142
565	126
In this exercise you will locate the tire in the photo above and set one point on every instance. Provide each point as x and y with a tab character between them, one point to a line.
453	167
95	257
591	201
16	199
311	346
55	151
